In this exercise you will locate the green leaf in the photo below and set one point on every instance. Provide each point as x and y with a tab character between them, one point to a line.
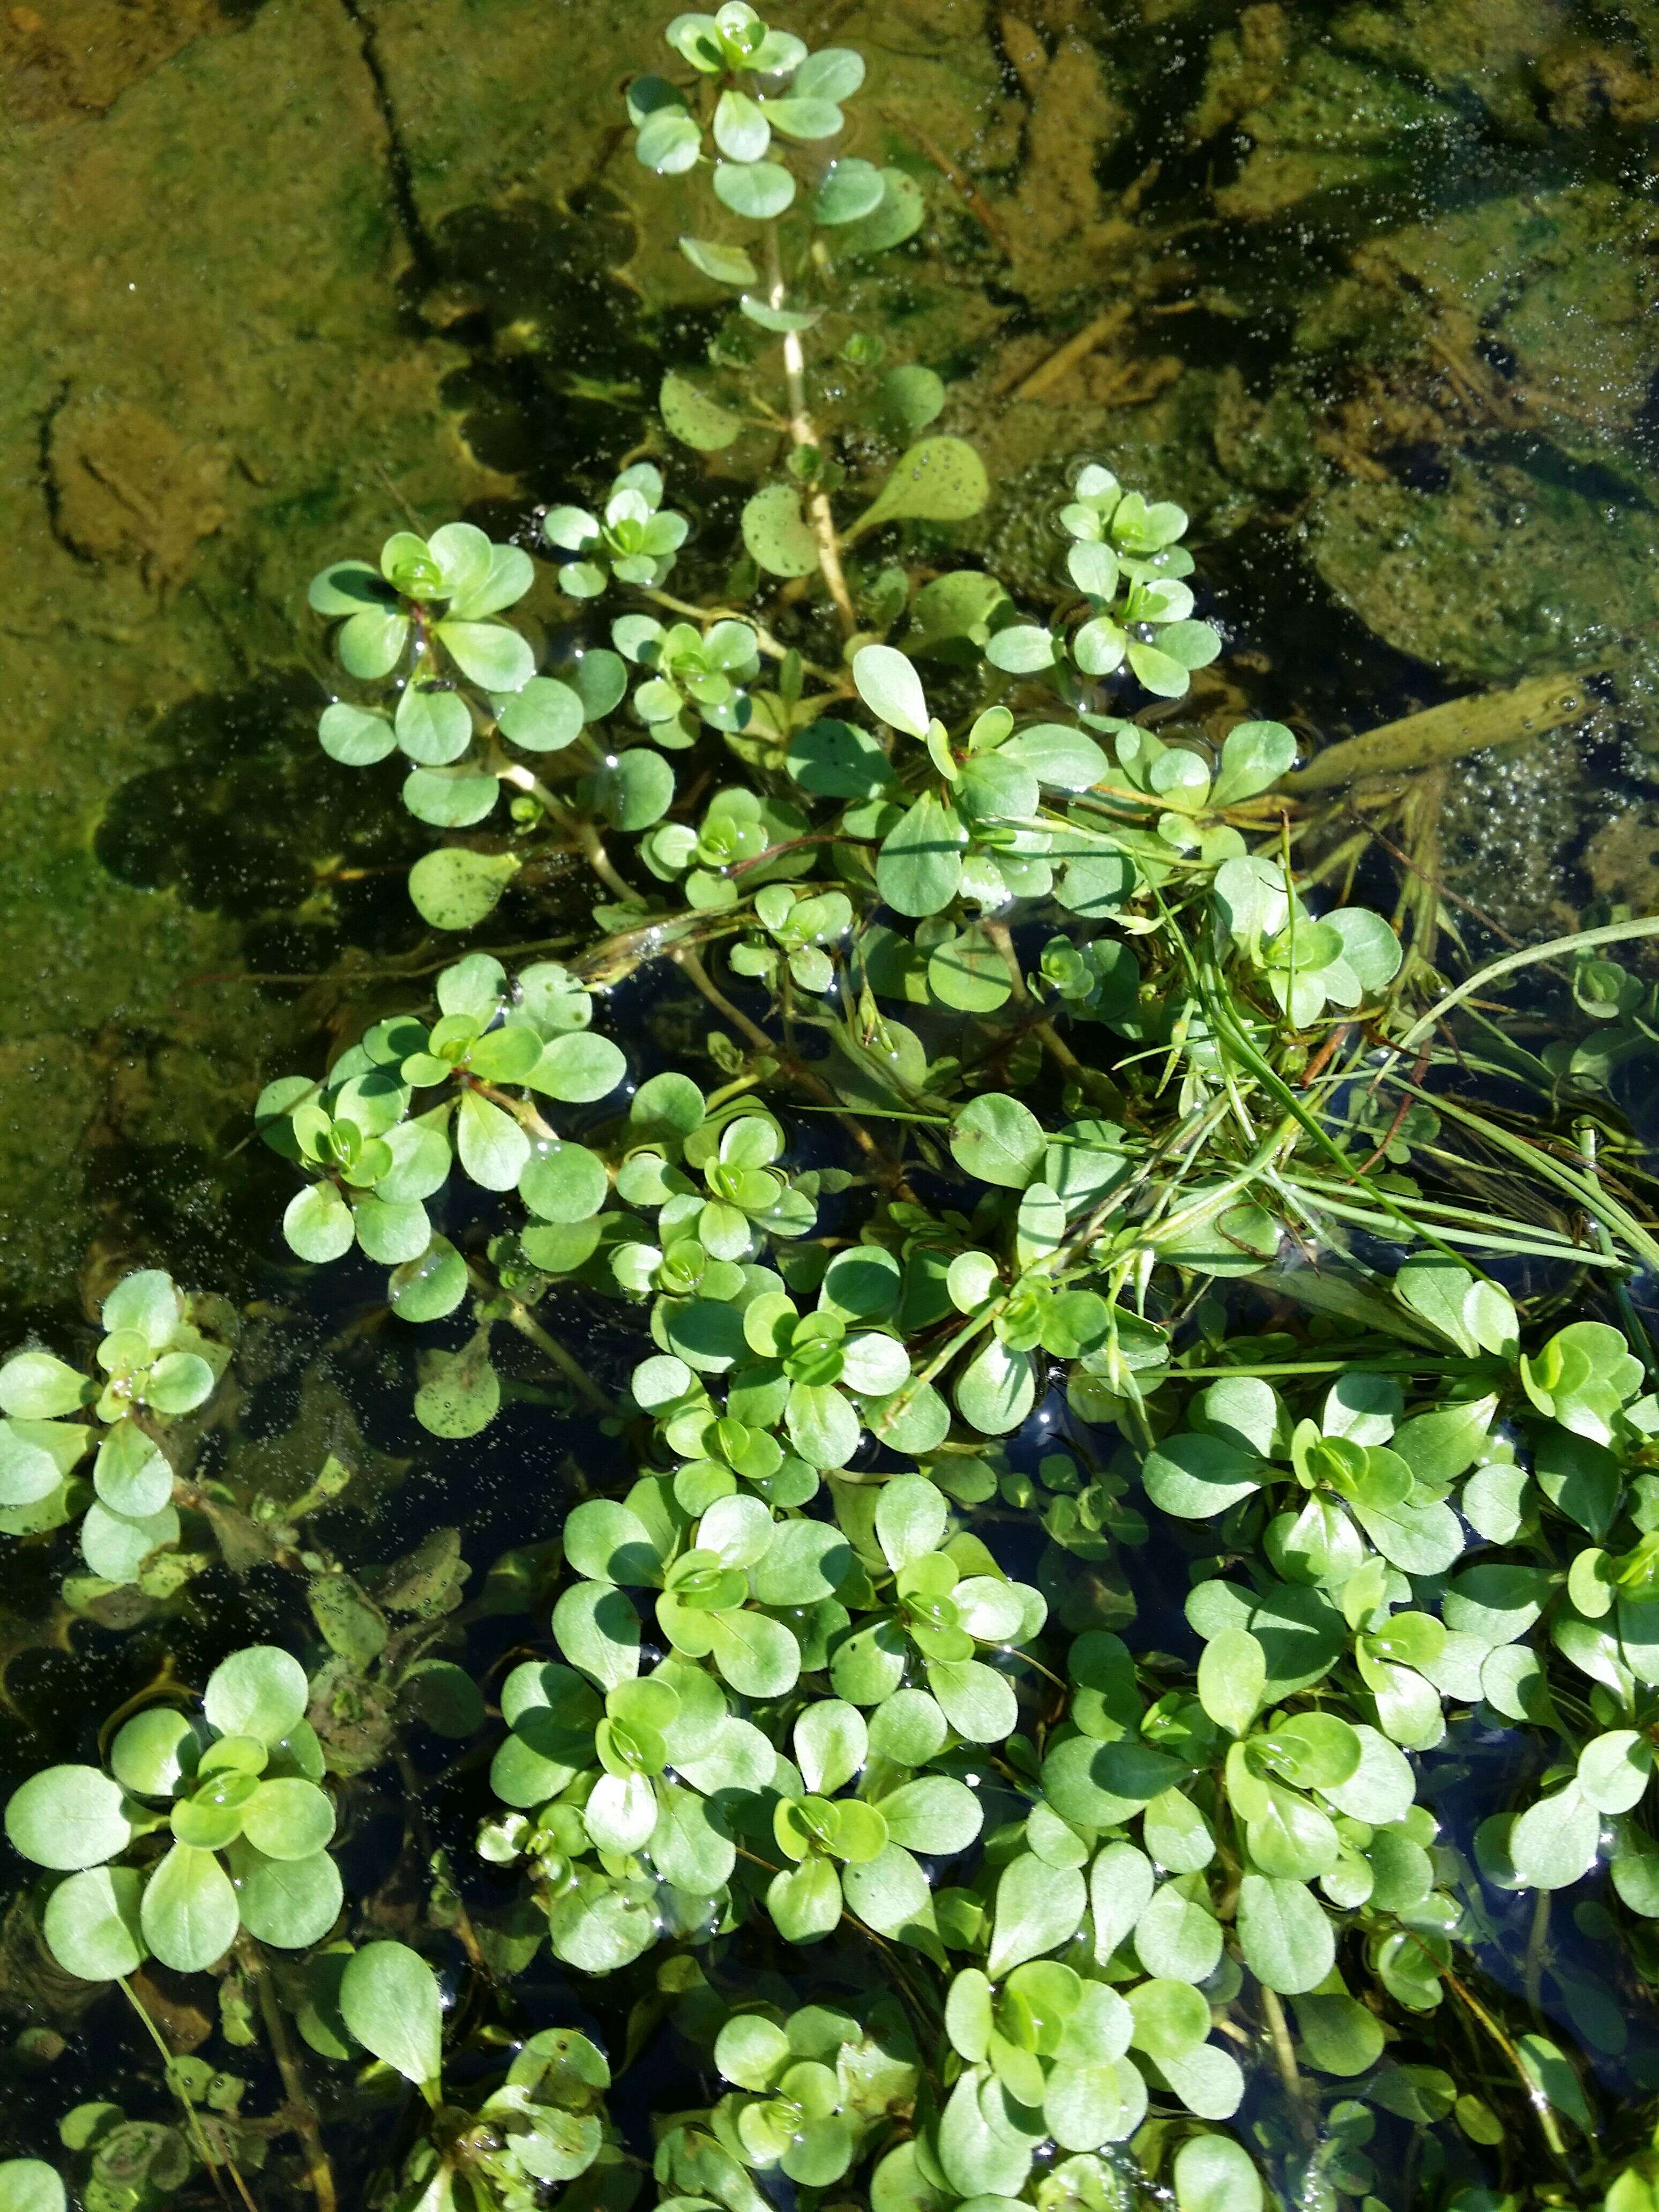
1062	758
259	1691
91	1924
292	1903
636	789
67	1817
1554	1843
890	688
1172	2019
1038	1909
1214	2174
1286	1939
919	869
1557	2079
153	1751
726	264
1615	1769
354	736
1253	758
131	1475
370	645
835	760
805	1901
116	1547
455	888
833	73
389	1998
998	1141
544	717
688	412
907	399
997	1389
288	1818
903	211
579	1069
941	480
433	727
1199	1476
777	535
428	1288
189	1914
490	1144
34	1386
1177	1935
759	190
29	2185
978	1701
1231	1677
848	191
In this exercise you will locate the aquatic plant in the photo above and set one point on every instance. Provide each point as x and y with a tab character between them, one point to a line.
778	1702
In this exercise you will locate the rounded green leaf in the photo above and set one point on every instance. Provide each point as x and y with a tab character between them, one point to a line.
318	1224
292	1903
544	717
390	2001
353	736
848	191
1554	1843
997	1389
189	1914
919	868
490	1144
580	1068
488	654
941	480
455	888
116	1545
433	727
890	687
998	1141
91	1923
759	190
688	412
29	2185
259	1691
155	1752
34	1386
288	1818
1214	2174
131	1474
726	264
1287	1941
428	1288
776	533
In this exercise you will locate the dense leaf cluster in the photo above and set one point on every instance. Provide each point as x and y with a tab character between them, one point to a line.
1062	1534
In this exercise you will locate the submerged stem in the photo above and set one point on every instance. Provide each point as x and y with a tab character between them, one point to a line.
804	432
301	2111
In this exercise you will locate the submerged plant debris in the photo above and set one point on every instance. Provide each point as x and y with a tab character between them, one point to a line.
846	1397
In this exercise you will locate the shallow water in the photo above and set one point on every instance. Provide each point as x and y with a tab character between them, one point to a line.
1372	289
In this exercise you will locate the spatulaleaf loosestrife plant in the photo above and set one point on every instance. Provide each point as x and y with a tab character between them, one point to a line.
849	1678
160	1356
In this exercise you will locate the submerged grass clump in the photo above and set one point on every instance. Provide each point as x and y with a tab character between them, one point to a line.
1191	1408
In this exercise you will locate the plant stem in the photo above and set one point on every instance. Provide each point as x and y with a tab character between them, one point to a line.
525	1323
686	960
804	432
192	2118
300	2108
1289	2072
589	843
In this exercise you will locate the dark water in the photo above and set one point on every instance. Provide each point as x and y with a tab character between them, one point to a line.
1372	289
